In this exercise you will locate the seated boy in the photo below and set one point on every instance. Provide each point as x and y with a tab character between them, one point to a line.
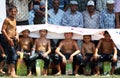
68	50
88	49
108	52
25	45
42	48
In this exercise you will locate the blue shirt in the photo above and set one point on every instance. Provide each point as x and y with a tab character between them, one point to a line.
101	5
63	3
55	18
107	20
91	21
75	20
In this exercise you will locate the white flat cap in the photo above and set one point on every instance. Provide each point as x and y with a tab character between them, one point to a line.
73	2
110	1
91	2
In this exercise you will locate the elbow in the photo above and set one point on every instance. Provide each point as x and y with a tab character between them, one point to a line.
2	31
78	51
50	51
56	51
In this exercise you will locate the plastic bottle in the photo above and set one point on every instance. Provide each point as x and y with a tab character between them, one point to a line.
38	72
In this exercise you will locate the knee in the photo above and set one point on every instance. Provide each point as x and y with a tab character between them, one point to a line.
79	57
56	57
114	60
97	58
47	58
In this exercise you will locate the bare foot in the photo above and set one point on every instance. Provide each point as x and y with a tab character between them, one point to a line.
2	72
76	74
29	74
97	74
14	76
58	74
45	75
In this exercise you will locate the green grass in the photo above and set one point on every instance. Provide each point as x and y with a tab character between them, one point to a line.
64	76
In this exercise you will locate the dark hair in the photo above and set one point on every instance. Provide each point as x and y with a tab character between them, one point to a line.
26	30
106	32
12	7
86	35
43	29
89	36
68	32
55	0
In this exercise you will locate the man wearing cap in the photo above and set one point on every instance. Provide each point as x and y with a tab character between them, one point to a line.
107	16
82	4
91	16
73	17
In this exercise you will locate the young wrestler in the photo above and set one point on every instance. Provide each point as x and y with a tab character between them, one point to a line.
68	50
43	48
88	49
2	60
108	52
25	45
9	31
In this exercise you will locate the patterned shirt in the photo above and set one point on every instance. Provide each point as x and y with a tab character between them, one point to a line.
107	20
82	4
63	3
55	18
91	21
117	5
75	20
101	4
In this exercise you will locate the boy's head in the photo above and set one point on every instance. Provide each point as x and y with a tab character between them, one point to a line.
26	32
43	32
87	38
106	35
12	11
68	35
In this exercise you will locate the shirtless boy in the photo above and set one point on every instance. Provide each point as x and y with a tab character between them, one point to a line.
9	31
25	45
67	50
108	52
43	48
88	49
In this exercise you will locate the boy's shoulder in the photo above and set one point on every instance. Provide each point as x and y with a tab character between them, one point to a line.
7	19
